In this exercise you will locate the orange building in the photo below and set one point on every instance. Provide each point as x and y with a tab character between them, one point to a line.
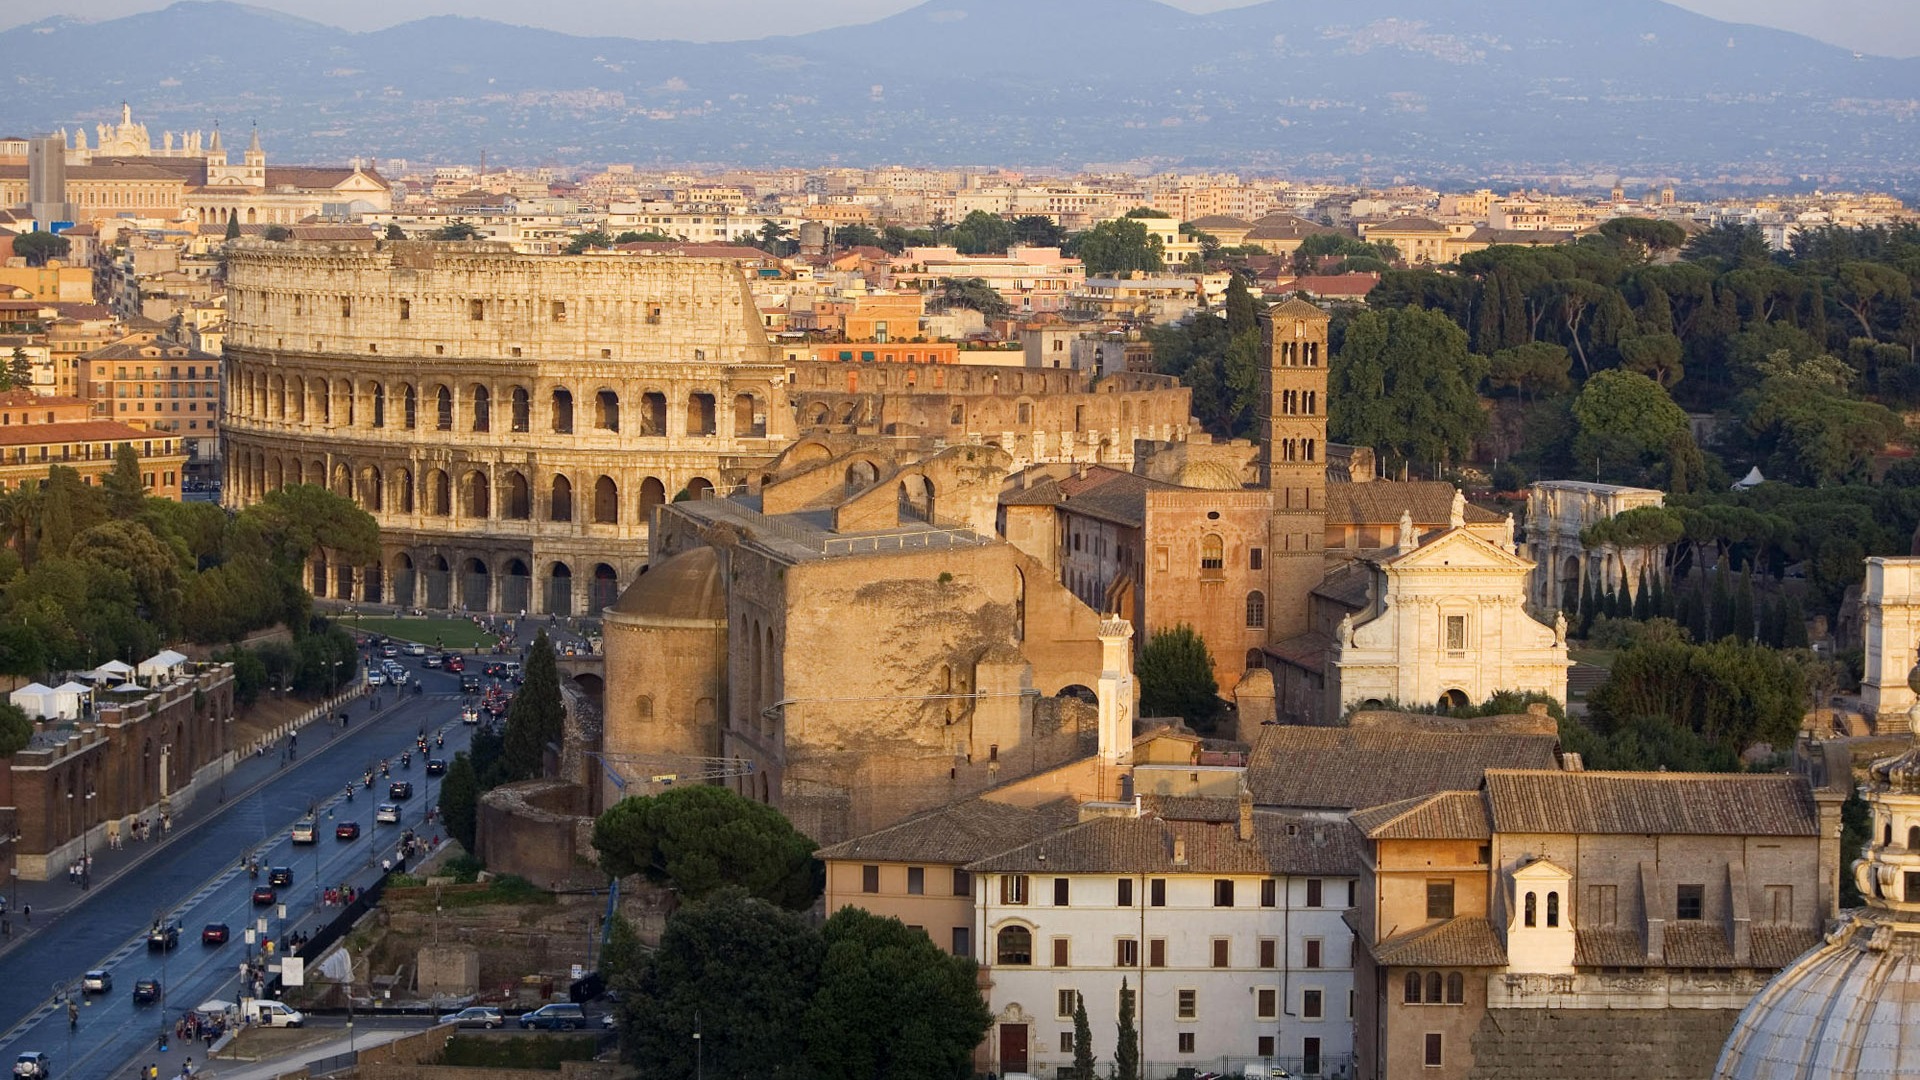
38	432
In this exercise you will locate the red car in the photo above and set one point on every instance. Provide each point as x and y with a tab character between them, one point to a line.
215	933
263	896
456	663
347	830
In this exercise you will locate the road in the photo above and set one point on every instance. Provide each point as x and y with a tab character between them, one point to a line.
200	878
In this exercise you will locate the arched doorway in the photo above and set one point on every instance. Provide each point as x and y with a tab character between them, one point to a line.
652	494
439	583
476	586
1455	698
916	498
699	488
403	583
606	501
606	589
560	590
370	584
516	587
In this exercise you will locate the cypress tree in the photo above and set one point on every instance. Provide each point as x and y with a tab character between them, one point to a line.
1743	607
1793	629
1082	1041
1642	602
1126	1049
1589	606
459	799
1661	602
1720	619
537	716
233	229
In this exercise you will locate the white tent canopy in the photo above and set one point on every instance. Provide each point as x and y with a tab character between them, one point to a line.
110	671
68	698
162	664
36	699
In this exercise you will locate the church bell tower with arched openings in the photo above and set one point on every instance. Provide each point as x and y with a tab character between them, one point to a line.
1293	458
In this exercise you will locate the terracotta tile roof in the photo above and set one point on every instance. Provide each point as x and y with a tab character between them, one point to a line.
21	399
1449	815
1609	947
1331	768
1466	941
1105	493
1281	844
314	178
132	350
1347	583
1309	651
74	431
1215	808
1711	804
1288	227
1526	237
1696	944
957	834
83	311
1220	221
1409	224
1352	285
1778	946
1381	502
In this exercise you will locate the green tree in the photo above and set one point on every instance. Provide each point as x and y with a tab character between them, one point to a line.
738	972
457	229
1038	230
293	522
233	229
1118	248
395	232
1126	1046
16	730
537	716
591	240
278	233
856	235
981	233
20	369
651	236
1534	370
1082	1041
1729	694
773	237
1644	236
1732	246
1176	678
460	800
1403	383
38	247
701	839
124	486
972	293
1624	423
1657	356
891	1005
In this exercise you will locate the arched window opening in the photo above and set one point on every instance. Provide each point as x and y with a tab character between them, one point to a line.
1434	986
379	405
475	499
1213	552
563	412
1456	988
861	475
443	409
403	491
606	501
746	425
643	708
482	408
652	494
1256	610
1553	909
653	414
522	410
607	416
1531	915
560	505
518	503
700	414
410	409
439	494
1015	946
1411	994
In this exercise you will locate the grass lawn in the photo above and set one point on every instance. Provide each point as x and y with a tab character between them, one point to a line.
1600	658
450	633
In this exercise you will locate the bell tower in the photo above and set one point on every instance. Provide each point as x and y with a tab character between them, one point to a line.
1292	422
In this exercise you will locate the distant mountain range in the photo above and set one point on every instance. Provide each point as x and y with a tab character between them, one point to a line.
1428	88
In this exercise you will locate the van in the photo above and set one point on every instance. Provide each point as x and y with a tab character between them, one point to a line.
303	831
271	1013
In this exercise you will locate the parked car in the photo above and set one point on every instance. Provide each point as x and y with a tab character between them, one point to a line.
400	789
388	814
97	981
376	677
303	831
214	933
164	935
280	877
555	1017
264	896
32	1065
436	766
347	830
480	1016
146	991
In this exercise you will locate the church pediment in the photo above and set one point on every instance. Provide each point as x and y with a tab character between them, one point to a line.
1459	549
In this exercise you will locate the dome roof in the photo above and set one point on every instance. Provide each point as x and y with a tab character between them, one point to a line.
1210	475
681	588
1844	1010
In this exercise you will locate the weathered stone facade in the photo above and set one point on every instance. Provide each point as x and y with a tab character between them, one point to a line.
510	420
1557	512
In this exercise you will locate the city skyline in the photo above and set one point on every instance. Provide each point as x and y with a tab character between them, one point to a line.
1880	27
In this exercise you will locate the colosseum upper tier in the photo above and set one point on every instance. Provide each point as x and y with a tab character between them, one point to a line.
510	420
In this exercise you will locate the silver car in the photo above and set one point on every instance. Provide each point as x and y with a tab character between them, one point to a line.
96	981
480	1016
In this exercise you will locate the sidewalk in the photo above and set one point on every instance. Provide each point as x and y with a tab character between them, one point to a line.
364	1038
57	897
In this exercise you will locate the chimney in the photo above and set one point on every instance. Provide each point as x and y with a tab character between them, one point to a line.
1246	812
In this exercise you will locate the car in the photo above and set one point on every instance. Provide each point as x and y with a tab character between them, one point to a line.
400	790
146	991
469	684
555	1017
436	766
32	1065
264	896
303	831
280	877
399	676
164	935
389	650
480	1016
347	830
512	671
456	663
415	648
214	933
388	814
97	981
376	677
436	661
469	715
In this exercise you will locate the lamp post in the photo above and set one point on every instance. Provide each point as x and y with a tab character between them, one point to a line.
86	810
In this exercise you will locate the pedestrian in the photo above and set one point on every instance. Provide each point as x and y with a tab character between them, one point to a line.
27	910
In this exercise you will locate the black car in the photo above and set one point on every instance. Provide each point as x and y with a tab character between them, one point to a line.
469	684
164	936
263	896
400	789
280	876
496	669
347	830
436	766
214	933
146	991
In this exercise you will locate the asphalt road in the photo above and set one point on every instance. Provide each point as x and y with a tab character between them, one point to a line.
200	878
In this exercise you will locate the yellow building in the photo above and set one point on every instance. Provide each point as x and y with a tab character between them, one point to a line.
38	432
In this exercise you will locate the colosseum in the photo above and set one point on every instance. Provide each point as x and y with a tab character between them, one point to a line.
510	420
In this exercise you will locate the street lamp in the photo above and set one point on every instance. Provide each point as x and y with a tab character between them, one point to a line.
86	811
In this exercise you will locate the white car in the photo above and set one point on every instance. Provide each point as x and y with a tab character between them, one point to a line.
399	677
388	814
416	648
376	678
96	981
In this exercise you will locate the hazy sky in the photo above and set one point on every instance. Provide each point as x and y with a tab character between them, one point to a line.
1887	27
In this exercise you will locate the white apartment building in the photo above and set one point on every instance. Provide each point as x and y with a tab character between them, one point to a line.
1226	922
